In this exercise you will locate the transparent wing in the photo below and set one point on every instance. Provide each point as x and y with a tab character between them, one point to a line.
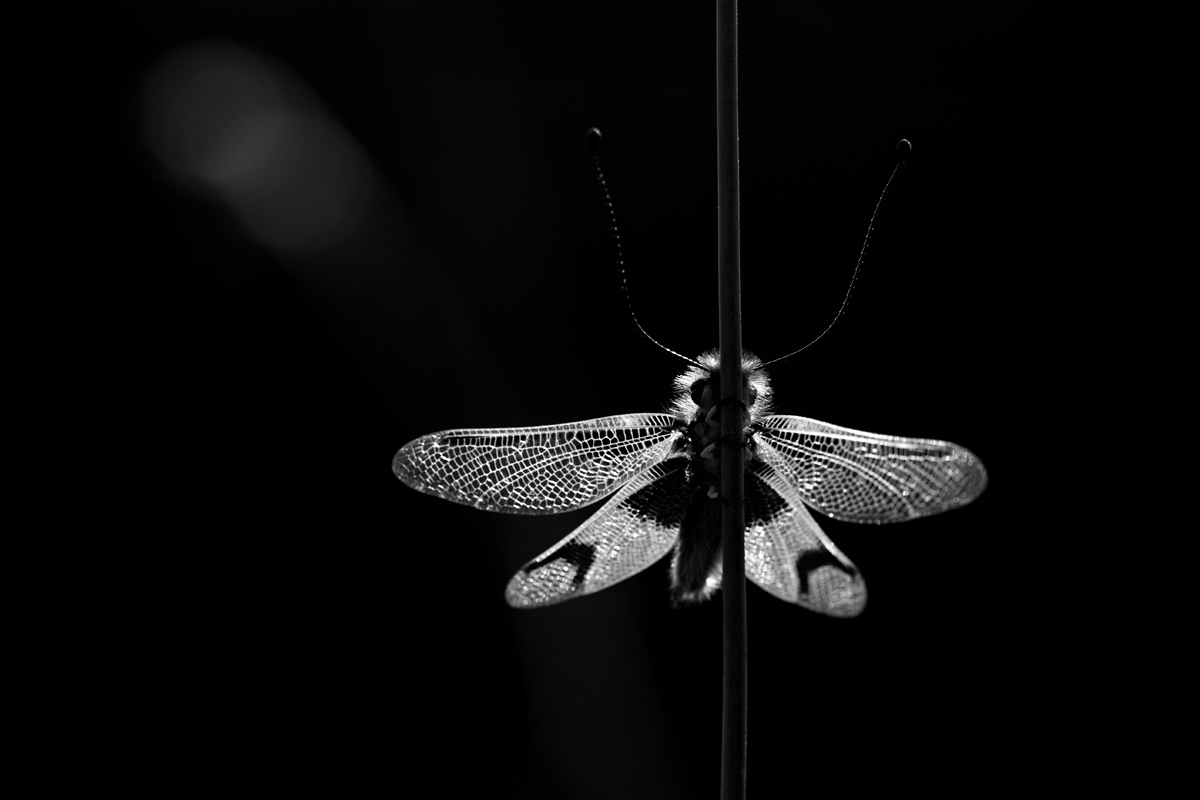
629	533
866	477
542	470
789	555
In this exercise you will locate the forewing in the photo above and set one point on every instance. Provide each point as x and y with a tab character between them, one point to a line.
542	470
867	477
789	555
629	533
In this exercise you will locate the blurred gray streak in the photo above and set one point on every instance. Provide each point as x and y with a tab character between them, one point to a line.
238	127
234	123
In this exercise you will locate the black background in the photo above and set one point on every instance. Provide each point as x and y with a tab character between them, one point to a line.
294	616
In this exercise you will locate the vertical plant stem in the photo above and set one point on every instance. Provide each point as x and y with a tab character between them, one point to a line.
733	736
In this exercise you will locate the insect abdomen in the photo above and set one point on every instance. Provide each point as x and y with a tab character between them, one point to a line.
696	567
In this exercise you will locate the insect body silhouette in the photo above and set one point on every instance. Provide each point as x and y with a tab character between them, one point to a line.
661	475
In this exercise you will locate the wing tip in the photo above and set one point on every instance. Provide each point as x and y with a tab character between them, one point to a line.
403	463
976	479
527	590
834	592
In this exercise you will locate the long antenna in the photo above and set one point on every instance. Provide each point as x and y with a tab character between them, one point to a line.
594	138
903	148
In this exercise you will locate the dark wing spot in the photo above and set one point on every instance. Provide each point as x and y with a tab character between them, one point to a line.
580	555
763	504
813	560
665	500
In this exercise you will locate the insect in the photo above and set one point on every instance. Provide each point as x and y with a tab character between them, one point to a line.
660	473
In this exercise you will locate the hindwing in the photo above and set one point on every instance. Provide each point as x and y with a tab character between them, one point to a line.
634	529
788	554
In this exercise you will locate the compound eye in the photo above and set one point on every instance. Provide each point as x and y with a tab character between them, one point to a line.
751	394
697	391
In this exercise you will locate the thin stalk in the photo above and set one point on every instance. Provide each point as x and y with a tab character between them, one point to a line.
733	512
